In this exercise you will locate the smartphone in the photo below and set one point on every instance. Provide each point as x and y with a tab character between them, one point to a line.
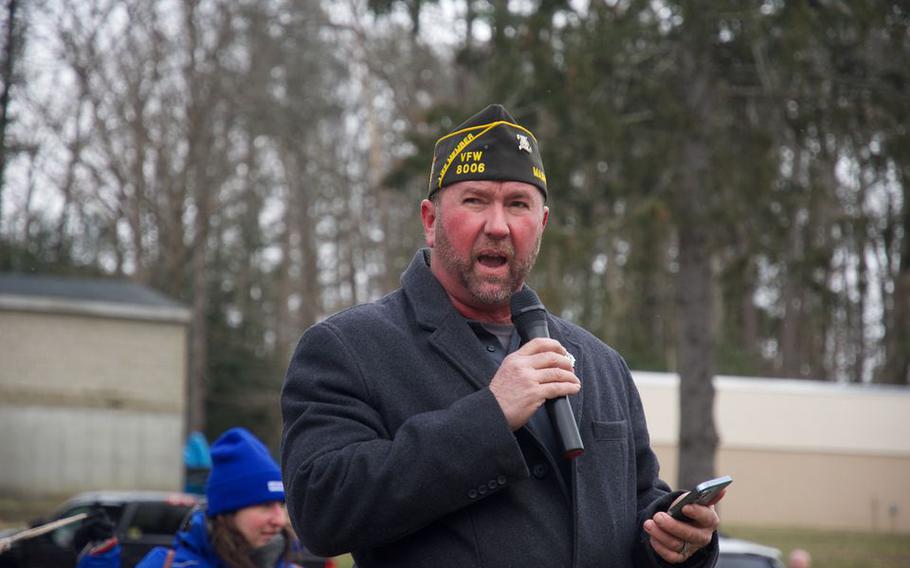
702	494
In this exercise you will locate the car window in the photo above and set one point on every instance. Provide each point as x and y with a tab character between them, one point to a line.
155	518
745	561
63	537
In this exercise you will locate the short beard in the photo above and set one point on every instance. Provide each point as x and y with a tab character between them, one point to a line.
480	289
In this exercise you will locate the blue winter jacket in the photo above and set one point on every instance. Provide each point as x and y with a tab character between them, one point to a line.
192	546
107	559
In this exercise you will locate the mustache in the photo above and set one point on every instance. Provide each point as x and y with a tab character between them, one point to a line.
495	249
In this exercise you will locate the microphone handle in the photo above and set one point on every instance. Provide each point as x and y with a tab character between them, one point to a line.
563	420
559	409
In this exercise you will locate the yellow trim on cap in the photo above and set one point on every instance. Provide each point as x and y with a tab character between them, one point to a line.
467	142
464	143
491	124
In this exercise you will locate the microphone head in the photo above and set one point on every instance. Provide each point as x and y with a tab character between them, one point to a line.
526	308
523	300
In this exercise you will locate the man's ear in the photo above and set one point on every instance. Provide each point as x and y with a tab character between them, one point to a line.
428	217
546	217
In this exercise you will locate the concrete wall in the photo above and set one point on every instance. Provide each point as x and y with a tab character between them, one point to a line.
88	401
801	453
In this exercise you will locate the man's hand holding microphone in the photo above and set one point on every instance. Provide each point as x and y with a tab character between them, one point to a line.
540	370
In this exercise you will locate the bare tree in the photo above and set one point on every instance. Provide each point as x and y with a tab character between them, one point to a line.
12	52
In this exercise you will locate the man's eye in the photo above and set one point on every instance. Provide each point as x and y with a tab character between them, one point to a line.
520	204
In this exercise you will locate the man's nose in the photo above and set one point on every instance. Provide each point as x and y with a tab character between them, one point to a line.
497	225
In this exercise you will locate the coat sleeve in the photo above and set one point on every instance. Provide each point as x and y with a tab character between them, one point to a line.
352	483
654	494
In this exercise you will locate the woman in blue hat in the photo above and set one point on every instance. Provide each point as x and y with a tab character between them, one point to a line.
245	524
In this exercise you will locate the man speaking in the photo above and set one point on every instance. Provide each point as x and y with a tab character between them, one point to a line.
416	430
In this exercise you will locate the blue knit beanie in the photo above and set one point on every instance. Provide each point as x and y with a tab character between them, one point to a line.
243	473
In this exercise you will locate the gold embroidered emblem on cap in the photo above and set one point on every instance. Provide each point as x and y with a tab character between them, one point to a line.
470	163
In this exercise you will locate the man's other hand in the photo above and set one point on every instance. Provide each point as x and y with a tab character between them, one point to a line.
676	541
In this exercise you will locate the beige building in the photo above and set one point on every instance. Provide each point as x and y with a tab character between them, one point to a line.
92	386
802	453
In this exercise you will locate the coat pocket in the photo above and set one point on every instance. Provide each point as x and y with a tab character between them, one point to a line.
605	431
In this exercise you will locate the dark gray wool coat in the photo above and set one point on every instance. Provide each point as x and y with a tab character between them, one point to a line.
395	449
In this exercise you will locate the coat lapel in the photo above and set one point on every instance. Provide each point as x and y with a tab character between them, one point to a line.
450	333
455	341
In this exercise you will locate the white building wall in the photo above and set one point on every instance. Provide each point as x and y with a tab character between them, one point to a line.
802	453
57	450
91	397
87	360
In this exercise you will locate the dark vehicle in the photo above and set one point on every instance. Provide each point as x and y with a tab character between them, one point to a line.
142	520
735	553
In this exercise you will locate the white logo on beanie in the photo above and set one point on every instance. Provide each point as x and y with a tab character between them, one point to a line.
276	487
523	143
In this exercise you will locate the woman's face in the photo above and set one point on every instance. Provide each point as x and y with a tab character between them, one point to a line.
260	523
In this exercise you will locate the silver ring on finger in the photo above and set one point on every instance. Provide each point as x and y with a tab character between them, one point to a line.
684	548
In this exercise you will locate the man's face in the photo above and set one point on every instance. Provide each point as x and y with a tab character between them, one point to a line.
485	237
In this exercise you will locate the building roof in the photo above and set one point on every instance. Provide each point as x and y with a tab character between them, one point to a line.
87	296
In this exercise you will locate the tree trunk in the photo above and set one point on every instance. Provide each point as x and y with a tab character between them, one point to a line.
897	339
196	186
749	313
10	54
199	330
697	433
694	296
791	298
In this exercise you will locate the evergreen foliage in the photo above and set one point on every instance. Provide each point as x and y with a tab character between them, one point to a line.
740	167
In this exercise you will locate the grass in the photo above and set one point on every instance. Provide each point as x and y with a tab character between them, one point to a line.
829	549
834	549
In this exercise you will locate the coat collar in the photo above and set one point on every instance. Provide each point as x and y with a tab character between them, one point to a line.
426	295
451	335
194	541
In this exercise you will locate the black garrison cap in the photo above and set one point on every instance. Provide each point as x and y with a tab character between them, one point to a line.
488	146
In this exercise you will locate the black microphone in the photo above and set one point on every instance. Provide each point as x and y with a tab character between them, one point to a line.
530	319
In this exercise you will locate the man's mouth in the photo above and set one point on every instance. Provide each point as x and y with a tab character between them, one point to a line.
492	260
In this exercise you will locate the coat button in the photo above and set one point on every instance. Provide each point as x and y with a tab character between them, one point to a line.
540	470
492	484
501	480
472	494
490	348
482	489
